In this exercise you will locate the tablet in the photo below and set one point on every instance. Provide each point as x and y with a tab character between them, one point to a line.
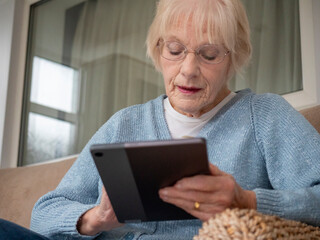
133	173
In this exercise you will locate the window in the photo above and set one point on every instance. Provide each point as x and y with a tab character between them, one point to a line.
86	60
276	59
52	116
95	49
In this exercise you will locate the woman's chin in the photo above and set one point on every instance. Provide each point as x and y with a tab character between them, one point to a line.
190	111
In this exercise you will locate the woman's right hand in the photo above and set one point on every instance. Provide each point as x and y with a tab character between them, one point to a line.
98	219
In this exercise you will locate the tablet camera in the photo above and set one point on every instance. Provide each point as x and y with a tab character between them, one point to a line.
98	154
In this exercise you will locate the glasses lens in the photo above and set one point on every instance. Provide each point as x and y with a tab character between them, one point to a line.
172	50
211	54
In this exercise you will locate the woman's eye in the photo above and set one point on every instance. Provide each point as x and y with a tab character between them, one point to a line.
174	48
175	52
209	54
209	57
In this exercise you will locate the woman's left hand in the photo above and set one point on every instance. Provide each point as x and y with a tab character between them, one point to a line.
205	195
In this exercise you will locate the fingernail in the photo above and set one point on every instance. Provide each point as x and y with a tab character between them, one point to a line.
164	192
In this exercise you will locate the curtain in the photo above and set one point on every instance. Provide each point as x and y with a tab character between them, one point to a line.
109	51
275	35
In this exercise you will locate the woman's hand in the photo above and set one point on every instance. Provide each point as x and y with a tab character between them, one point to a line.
214	193
98	219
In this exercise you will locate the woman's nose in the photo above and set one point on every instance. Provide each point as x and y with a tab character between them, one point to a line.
190	66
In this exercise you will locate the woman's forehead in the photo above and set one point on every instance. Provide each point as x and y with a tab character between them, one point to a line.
187	34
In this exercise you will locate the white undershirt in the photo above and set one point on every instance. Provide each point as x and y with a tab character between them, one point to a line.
183	126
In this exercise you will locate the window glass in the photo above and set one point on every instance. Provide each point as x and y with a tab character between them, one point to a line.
87	60
48	138
54	85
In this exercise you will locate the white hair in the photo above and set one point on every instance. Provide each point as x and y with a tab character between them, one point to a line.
224	21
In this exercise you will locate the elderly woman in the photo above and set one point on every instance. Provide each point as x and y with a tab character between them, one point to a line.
263	154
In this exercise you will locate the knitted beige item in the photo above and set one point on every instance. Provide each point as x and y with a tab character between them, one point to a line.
250	224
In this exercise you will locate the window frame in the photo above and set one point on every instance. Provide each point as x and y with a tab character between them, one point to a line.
45	111
10	133
13	101
310	94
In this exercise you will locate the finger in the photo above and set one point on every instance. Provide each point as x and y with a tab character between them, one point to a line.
204	212
201	215
193	196
205	183
181	203
204	216
107	207
215	171
104	194
211	199
105	201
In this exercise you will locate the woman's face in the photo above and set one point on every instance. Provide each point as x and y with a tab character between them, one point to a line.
193	87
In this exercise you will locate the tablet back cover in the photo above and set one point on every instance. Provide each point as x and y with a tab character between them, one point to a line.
133	173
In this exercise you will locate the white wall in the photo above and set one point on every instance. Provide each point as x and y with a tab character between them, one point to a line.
316	20
6	27
18	20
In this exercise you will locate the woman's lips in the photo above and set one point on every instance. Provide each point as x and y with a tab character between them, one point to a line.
188	90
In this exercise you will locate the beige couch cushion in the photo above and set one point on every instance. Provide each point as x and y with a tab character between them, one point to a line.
21	187
312	114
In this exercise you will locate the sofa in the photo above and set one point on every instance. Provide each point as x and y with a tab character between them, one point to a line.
21	187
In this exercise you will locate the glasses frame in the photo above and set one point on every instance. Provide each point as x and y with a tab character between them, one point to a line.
186	51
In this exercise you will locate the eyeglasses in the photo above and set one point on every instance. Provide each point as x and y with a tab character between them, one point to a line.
208	53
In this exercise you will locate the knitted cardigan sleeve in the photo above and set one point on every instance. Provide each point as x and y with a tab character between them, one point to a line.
56	214
291	150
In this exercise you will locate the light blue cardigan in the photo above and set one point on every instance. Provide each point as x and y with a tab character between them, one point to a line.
260	139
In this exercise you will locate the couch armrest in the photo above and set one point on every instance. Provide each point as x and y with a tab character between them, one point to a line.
312	114
21	187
